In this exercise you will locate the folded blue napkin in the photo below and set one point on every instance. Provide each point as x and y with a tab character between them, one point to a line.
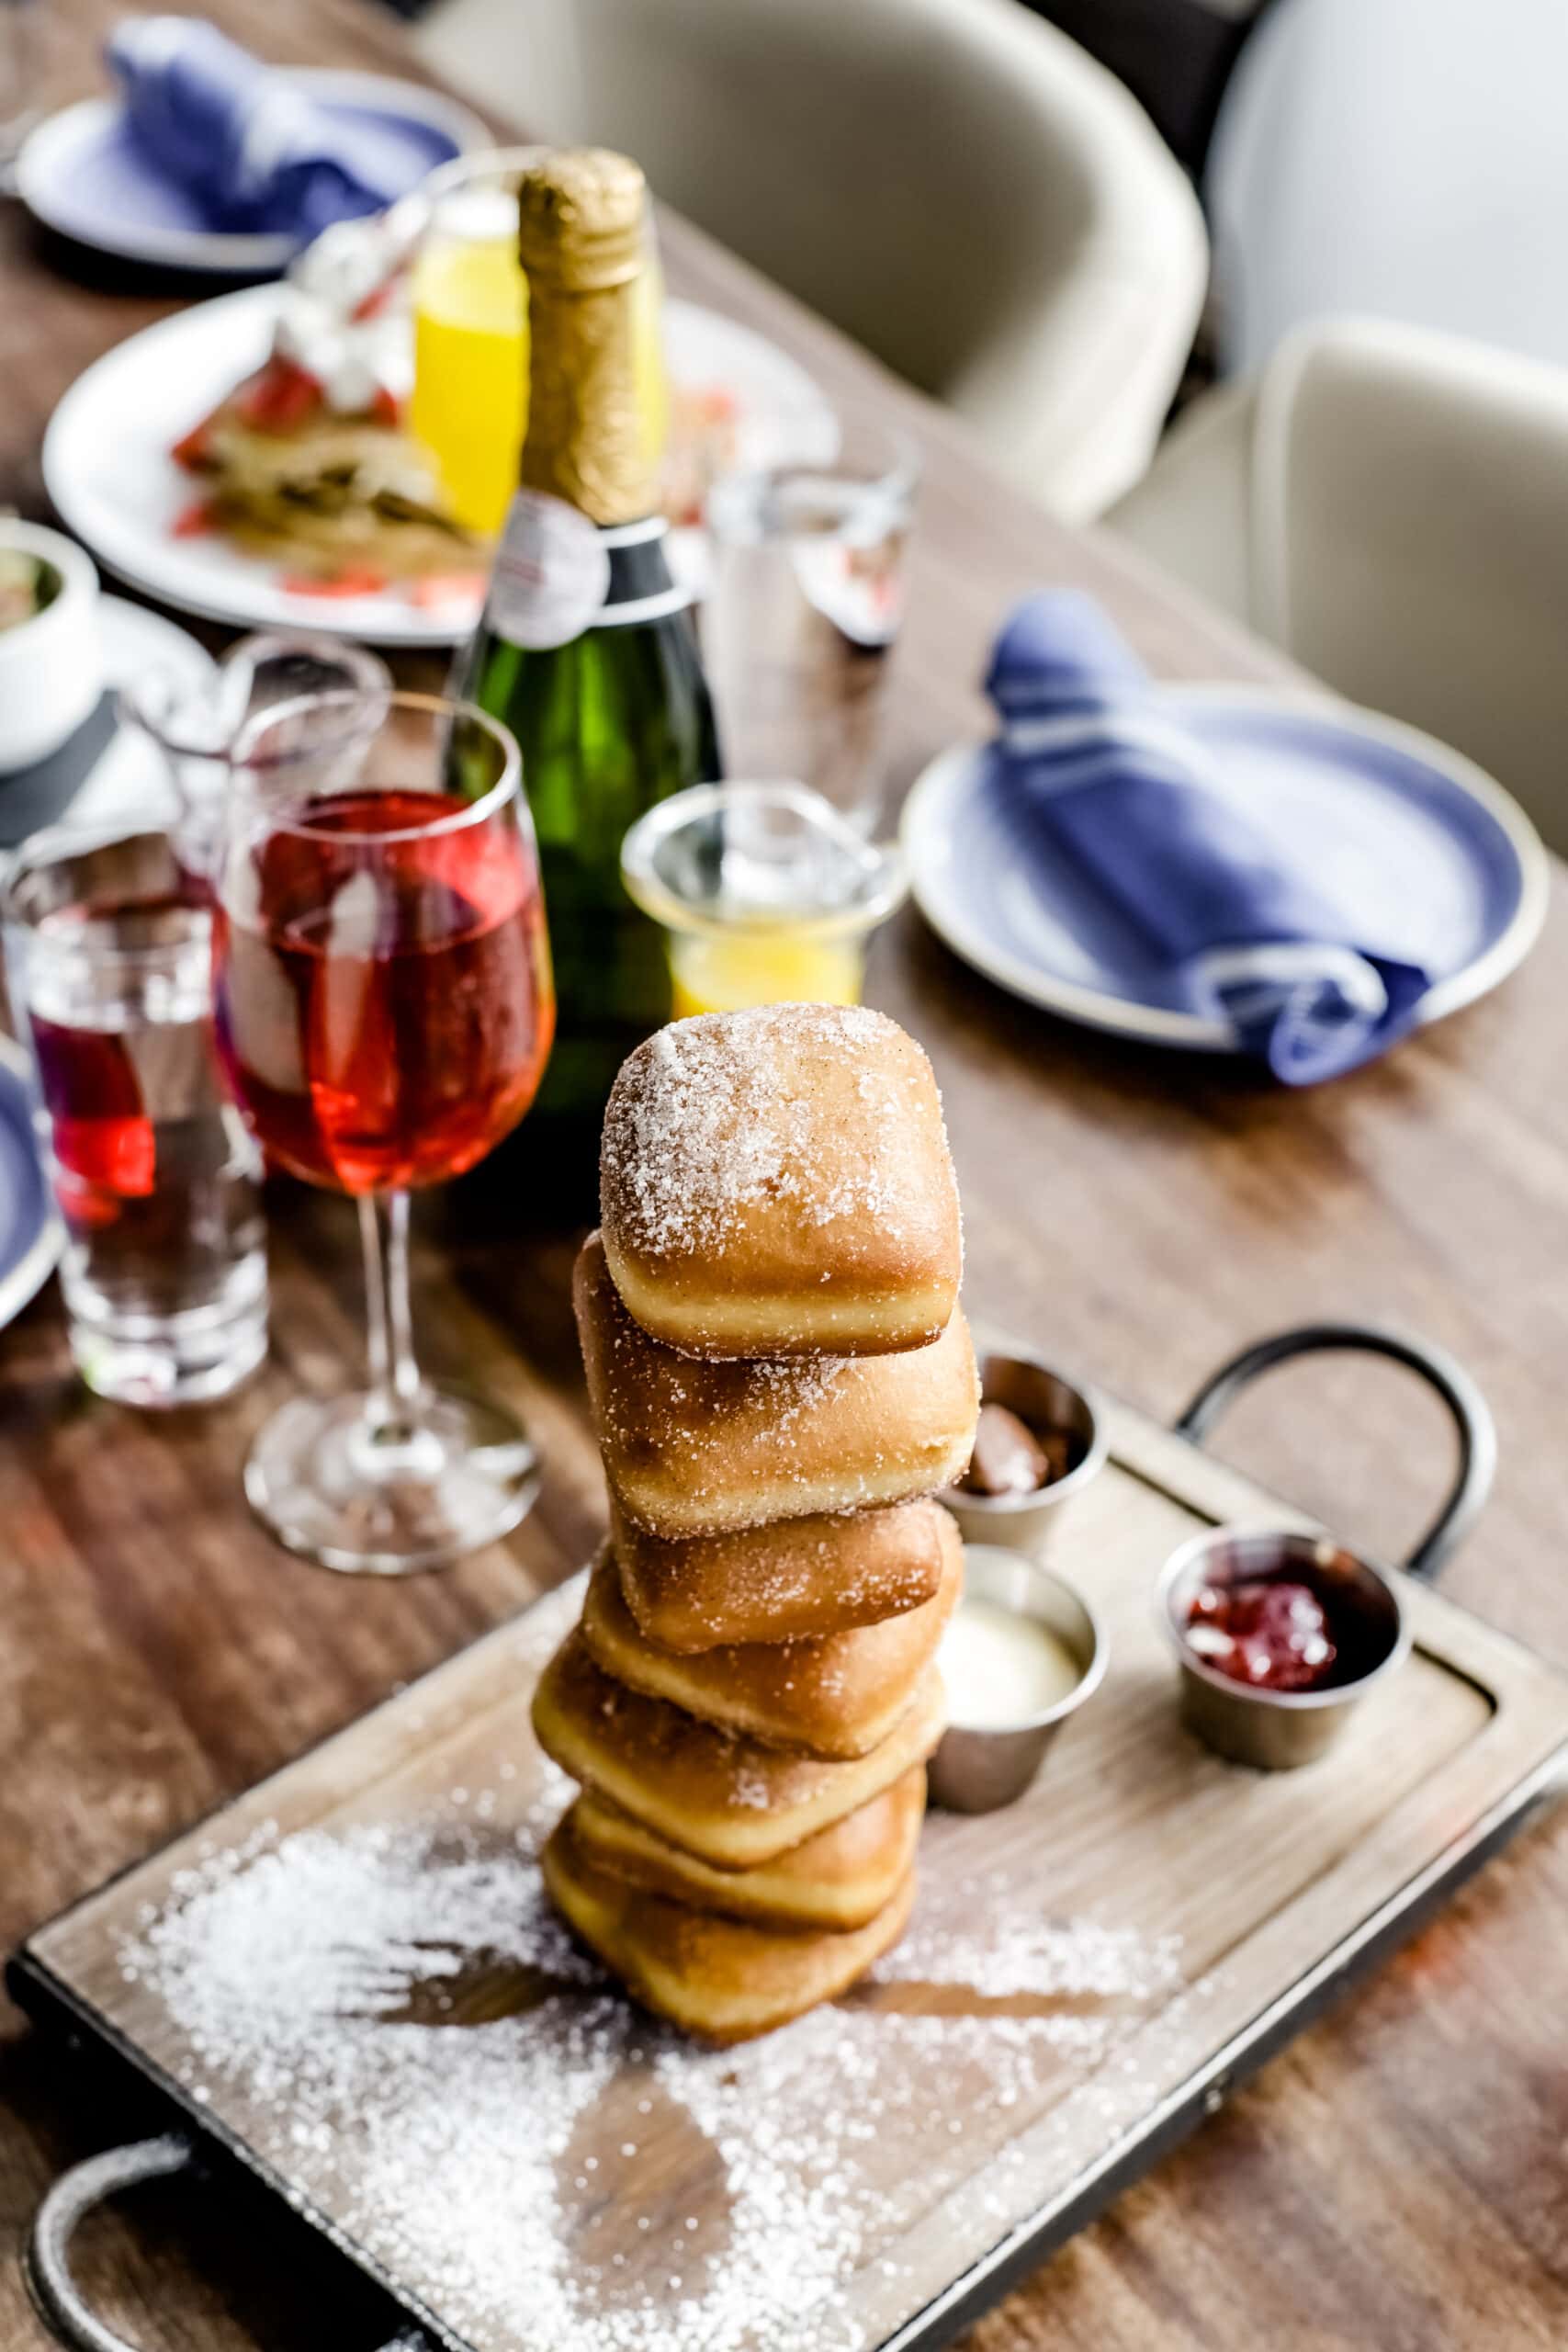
1104	774
252	148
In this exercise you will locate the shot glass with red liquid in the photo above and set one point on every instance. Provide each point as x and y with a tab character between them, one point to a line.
384	1011
109	956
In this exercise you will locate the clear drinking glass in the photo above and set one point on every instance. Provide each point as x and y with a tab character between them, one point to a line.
194	725
470	334
385	1011
803	611
109	960
766	894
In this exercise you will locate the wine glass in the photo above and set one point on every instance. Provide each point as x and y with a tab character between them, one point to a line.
384	1011
194	724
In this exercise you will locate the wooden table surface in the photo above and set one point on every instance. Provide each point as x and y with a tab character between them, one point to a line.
1396	2181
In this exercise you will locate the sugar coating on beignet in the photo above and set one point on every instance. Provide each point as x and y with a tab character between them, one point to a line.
839	1695
694	1447
793	1581
721	1978
836	1880
777	1182
730	1800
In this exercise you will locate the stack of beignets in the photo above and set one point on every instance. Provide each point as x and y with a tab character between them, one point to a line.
780	1378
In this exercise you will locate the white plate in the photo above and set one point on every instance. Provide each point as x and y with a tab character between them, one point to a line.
76	175
108	467
1431	858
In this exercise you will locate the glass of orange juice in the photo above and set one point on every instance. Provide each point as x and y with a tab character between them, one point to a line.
767	895
470	336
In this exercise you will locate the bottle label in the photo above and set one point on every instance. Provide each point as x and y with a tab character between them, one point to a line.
552	575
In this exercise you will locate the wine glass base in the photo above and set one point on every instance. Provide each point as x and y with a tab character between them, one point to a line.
328	1483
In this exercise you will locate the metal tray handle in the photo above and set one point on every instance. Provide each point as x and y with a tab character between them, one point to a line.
46	2262
1470	1413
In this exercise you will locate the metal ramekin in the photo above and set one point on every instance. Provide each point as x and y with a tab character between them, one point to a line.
1279	1729
976	1769
1013	1376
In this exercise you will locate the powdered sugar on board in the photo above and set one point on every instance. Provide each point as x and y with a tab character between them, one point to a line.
423	2054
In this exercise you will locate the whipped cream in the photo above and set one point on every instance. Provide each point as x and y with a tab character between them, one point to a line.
353	358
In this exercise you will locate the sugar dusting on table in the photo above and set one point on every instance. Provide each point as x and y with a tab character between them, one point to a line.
498	2166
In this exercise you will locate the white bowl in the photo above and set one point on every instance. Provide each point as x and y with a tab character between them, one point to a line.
51	667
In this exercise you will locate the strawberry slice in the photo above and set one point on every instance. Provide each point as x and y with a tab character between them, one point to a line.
351	581
432	592
278	397
193	450
374	303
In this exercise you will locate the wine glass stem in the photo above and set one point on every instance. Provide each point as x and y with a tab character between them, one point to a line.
394	1374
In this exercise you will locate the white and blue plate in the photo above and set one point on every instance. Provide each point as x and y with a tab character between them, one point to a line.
83	174
30	1233
1429	858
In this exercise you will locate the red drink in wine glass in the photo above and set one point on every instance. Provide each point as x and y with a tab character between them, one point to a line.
384	1013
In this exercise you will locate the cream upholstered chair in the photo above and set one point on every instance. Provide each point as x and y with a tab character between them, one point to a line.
1391	506
952	181
1393	159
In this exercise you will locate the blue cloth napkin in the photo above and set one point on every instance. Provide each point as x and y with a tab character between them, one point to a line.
245	141
1104	774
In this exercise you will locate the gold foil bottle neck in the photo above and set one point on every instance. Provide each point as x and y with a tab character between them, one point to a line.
581	241
580	218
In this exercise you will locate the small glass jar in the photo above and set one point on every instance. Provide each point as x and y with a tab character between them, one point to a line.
766	895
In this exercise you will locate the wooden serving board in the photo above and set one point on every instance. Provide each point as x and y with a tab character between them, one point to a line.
348	1980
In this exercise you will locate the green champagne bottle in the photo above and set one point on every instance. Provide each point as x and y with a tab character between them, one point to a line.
587	649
